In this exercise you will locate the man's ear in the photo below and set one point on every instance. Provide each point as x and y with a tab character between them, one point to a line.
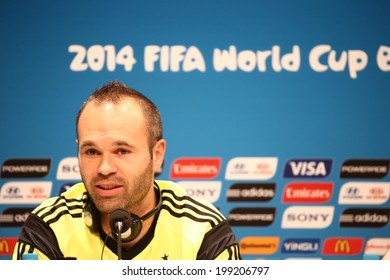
158	156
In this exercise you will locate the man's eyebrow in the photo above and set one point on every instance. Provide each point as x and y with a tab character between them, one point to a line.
117	143
123	143
87	144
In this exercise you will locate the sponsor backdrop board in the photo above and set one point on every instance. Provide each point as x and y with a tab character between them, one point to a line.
277	112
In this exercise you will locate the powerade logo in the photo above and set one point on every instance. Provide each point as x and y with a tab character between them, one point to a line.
260	217
307	168
301	245
364	169
25	168
365	217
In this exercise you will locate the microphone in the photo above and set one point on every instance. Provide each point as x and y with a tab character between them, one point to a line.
126	226
120	223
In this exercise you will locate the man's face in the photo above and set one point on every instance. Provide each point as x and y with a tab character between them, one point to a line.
114	156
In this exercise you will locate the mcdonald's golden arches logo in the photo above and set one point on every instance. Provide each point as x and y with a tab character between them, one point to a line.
343	246
7	245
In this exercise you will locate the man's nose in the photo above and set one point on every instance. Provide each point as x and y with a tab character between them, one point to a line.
107	166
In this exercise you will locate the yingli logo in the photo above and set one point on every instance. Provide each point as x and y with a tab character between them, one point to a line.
195	168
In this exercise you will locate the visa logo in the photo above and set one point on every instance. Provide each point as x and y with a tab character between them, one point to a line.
307	168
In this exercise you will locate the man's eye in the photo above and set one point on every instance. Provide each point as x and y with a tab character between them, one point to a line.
123	152
91	152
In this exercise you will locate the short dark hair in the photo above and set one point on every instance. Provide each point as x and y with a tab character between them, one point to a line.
116	91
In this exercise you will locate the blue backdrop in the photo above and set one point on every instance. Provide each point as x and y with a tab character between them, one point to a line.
285	103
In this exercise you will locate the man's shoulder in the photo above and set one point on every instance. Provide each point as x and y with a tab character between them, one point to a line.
177	192
176	201
198	222
74	197
166	185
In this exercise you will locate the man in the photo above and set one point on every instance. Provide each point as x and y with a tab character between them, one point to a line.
120	211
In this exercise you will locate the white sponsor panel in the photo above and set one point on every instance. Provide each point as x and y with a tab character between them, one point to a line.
308	217
25	192
68	169
251	168
364	193
206	190
377	246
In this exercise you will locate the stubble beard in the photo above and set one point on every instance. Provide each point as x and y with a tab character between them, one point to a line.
133	195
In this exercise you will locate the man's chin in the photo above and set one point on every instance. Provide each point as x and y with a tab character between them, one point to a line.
106	206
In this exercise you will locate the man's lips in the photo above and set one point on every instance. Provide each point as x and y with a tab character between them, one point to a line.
107	187
107	191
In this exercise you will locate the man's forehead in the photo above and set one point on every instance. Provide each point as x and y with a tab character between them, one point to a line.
129	105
